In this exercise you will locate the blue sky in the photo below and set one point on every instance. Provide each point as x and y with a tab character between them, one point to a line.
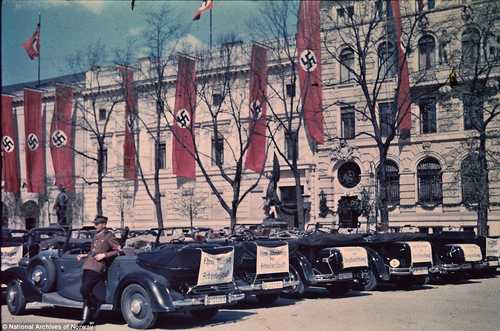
69	25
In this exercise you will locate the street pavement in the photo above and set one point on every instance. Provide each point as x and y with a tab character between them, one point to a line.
473	305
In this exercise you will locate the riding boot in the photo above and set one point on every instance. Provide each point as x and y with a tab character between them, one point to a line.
86	317
93	313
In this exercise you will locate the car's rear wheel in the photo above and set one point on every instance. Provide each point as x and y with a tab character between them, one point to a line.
136	307
16	302
370	282
204	315
267	299
43	274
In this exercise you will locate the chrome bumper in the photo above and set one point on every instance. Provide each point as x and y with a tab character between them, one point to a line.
328	278
272	285
209	300
412	271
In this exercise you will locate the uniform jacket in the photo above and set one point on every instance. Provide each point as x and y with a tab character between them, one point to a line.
104	242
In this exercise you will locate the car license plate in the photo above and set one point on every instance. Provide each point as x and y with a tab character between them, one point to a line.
420	271
493	263
215	300
345	275
272	285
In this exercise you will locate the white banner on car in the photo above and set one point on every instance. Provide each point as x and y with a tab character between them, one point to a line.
421	251
492	247
271	260
353	257
472	252
216	268
11	256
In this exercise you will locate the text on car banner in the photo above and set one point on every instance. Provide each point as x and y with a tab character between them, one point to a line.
353	257
421	251
11	256
272	260
492	247
216	268
472	252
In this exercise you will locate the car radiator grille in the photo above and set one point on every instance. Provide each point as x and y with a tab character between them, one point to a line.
212	289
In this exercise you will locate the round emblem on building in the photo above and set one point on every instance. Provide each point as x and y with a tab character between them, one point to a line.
59	138
183	119
349	174
32	142
7	144
308	60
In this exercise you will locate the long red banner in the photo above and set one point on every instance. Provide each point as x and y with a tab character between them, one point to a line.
10	147
183	129
61	138
403	97
256	153
309	58
129	151
35	153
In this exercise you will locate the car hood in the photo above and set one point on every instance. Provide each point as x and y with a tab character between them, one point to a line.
321	239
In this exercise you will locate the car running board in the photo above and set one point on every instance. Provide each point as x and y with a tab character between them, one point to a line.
58	300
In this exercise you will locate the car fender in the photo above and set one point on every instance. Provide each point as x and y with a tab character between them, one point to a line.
30	291
377	264
160	296
303	266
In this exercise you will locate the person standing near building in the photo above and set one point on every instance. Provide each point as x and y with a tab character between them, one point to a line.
61	207
104	246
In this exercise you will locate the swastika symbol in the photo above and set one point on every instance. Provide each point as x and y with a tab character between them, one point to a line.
183	119
32	142
59	138
130	123
256	110
7	144
308	60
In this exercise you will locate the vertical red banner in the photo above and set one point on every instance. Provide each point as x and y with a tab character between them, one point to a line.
309	58
129	151
256	153
61	138
35	152
403	91
185	101
10	147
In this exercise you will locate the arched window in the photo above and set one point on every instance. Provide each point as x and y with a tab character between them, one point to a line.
430	184
426	52
470	173
391	188
387	60
346	61
471	40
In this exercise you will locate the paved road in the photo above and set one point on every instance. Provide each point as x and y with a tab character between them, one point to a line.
474	305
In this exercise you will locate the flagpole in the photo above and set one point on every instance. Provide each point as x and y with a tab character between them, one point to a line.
210	28
39	45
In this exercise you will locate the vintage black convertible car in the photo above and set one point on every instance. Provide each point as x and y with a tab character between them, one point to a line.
401	258
144	282
336	262
12	246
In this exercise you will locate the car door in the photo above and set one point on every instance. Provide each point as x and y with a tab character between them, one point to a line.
69	278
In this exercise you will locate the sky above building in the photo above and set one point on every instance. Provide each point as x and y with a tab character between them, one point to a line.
68	26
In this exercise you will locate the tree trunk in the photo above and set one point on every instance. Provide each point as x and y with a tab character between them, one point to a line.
382	191
233	218
298	187
157	202
100	173
484	194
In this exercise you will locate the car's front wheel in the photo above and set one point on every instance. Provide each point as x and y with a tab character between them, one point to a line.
43	274
204	315
16	302
370	282
298	290
267	299
136	307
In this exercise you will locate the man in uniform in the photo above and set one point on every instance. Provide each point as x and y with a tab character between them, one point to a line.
104	246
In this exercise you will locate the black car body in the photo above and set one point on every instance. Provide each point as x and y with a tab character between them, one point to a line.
140	284
12	247
401	258
490	248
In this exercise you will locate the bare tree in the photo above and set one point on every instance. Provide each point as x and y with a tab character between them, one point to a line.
189	205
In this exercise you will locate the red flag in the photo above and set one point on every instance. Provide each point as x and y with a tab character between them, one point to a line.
206	5
10	146
32	44
309	58
185	101
35	153
61	138
403	97
129	152
256	154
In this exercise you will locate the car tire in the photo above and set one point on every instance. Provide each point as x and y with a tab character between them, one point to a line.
371	282
298	291
267	299
204	315
14	297
136	308
338	290
42	274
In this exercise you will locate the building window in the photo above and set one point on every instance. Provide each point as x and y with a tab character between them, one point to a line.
290	90
430	185
428	121
425	5
383	9
348	122
291	145
470	173
391	189
471	40
104	160
473	112
387	118
426	52
387	60
349	174
161	157
346	63
102	114
216	99
218	149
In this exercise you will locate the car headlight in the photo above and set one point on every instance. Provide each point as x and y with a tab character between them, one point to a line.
394	263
